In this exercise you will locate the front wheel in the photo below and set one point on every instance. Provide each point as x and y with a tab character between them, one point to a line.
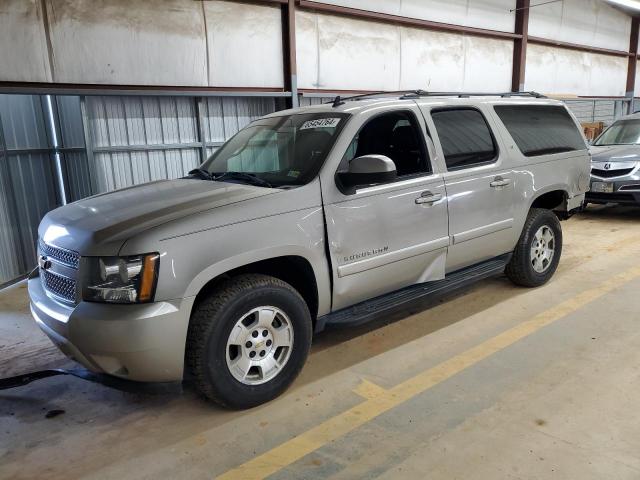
248	340
538	251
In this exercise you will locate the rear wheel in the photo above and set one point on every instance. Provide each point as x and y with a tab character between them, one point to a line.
248	340
538	251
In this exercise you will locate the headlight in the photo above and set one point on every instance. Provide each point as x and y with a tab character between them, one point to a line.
121	279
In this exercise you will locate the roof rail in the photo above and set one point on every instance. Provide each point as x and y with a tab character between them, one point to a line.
407	94
340	100
422	93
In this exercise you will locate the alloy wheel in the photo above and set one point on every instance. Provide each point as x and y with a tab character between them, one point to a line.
259	345
542	249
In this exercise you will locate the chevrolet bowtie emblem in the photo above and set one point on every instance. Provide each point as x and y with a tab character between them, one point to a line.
44	263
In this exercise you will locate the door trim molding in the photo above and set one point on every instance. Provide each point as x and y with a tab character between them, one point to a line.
391	257
482	231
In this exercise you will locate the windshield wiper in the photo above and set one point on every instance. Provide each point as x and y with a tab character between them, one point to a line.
201	173
242	176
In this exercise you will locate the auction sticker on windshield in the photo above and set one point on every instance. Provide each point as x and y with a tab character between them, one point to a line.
320	123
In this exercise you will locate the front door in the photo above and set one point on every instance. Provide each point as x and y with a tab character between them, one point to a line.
385	237
479	185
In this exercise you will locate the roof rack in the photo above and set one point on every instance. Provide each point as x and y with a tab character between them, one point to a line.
338	100
407	94
422	93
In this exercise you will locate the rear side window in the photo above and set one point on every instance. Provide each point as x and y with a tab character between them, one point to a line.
465	138
541	129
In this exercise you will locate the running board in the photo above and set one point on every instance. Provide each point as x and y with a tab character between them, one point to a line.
371	309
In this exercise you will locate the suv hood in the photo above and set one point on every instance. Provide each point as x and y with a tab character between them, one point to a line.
615	153
99	225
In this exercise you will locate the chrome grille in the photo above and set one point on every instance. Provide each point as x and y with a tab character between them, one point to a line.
59	271
62	287
61	255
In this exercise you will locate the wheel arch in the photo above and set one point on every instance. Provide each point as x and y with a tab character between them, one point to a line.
296	270
554	198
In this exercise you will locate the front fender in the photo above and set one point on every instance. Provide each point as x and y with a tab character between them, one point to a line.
247	258
191	261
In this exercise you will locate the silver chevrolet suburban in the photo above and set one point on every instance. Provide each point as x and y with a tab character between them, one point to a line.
316	216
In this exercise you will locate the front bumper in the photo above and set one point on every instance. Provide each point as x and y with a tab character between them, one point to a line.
144	342
626	191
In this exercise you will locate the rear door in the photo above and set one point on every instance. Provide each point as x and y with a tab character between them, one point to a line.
479	183
385	237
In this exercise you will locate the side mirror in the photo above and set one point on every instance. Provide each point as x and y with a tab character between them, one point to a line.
368	170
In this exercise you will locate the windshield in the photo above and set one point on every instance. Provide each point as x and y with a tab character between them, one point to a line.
276	151
623	132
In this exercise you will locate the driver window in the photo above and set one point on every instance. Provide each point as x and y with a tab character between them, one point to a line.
396	135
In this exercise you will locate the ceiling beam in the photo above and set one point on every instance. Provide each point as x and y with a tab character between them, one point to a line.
579	47
42	88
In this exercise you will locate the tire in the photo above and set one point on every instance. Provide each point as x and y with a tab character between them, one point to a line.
225	323
527	266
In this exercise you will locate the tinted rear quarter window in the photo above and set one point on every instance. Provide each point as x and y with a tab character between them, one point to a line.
541	129
465	137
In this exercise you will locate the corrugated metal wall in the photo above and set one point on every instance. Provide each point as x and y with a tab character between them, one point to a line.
28	189
71	127
307	101
107	143
9	244
140	139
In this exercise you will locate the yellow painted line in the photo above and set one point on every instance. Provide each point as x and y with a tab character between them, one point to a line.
333	428
368	389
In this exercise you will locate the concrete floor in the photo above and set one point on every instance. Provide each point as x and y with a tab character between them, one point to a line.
497	382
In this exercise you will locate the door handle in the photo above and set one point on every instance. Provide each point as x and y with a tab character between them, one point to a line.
428	198
500	182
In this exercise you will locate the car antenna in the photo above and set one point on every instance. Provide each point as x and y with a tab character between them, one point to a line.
337	101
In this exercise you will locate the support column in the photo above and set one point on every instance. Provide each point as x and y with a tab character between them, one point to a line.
520	45
633	61
202	134
289	51
50	108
